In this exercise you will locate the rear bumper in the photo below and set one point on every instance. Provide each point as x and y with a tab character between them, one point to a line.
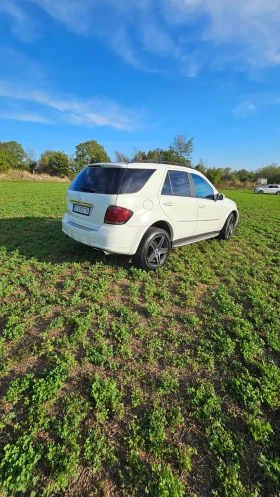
109	238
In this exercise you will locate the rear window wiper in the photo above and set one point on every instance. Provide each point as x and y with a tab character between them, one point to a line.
87	189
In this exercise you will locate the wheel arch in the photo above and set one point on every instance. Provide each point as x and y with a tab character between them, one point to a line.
162	224
236	216
226	215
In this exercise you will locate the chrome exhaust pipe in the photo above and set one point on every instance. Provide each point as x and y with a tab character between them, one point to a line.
101	250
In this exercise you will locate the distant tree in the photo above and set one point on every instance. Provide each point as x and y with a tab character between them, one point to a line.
182	149
54	163
225	173
71	166
7	161
139	155
214	175
243	175
59	164
88	153
234	178
201	166
30	160
271	173
154	155
44	163
15	155
157	154
119	157
167	155
179	151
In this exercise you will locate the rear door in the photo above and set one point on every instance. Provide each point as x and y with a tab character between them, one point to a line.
209	211
178	203
271	189
275	189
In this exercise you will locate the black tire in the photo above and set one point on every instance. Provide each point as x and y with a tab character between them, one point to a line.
278	193
261	191
153	250
226	232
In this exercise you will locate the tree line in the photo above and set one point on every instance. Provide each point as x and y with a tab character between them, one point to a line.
58	163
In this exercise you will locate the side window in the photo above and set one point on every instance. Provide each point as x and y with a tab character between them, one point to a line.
166	189
202	188
176	183
180	183
134	180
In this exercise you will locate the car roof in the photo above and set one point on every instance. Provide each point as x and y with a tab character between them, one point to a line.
143	165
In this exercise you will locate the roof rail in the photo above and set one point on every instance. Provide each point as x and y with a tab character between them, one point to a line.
157	162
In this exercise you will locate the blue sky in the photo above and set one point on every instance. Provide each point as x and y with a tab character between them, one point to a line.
133	73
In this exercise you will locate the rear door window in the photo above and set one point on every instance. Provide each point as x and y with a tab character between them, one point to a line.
176	183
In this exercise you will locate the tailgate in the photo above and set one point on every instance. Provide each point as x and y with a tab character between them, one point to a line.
91	192
88	209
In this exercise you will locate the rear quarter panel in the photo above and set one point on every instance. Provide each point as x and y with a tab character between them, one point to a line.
145	207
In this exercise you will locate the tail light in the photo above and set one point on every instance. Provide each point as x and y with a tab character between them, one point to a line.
117	215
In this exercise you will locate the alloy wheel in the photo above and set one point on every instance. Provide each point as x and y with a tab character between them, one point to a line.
157	251
230	227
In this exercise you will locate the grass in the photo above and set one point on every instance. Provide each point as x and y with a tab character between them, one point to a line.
116	381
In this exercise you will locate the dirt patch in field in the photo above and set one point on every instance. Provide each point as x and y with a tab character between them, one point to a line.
26	176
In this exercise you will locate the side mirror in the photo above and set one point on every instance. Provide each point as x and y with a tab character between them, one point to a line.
219	196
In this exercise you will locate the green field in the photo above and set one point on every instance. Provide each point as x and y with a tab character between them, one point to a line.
119	382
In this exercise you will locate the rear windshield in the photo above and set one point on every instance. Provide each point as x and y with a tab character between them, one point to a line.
111	180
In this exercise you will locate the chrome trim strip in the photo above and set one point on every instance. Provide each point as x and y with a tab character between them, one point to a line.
195	220
75	225
84	204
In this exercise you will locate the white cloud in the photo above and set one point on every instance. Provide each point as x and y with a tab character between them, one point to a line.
92	112
244	31
33	118
13	10
240	33
75	14
162	35
244	109
18	65
22	25
255	102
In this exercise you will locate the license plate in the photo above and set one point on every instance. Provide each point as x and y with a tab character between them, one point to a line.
81	209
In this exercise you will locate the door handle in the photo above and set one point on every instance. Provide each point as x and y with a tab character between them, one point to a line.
202	206
168	203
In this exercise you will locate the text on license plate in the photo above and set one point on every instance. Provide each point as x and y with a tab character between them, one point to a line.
81	209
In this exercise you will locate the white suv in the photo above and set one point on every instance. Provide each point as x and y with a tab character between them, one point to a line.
272	189
144	209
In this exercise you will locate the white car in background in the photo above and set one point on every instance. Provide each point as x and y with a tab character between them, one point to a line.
144	209
272	188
